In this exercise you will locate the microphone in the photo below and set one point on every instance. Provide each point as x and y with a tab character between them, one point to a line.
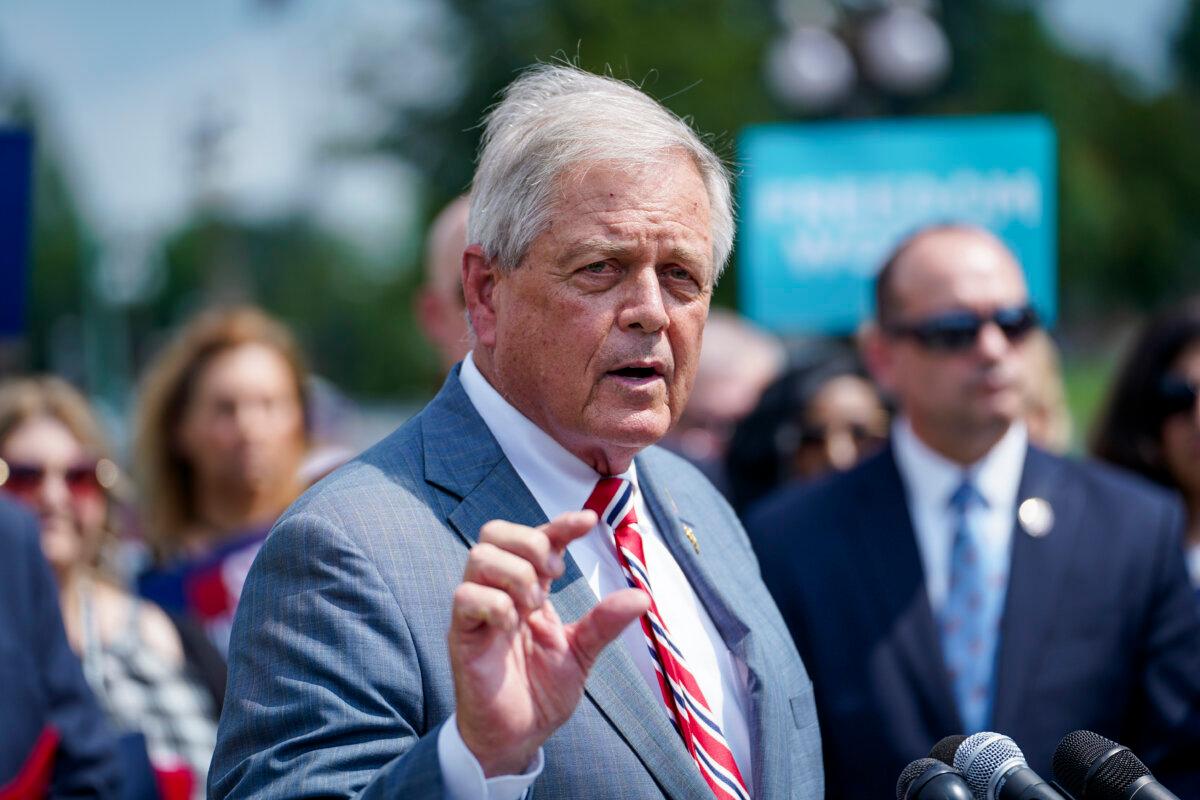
930	779
996	770
1094	768
945	749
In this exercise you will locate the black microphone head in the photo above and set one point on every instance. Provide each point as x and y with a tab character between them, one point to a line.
1115	767
913	771
1114	777
1074	757
945	749
985	755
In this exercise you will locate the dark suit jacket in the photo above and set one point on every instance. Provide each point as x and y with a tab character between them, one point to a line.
41	683
1100	628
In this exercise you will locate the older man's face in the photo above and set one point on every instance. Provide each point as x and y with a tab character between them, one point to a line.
597	332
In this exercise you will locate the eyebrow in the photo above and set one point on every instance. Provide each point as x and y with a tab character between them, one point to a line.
607	248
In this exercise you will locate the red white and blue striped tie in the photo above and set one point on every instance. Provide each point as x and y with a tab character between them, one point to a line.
612	500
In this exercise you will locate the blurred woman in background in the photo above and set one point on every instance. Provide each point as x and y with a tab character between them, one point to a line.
1046	412
221	433
54	459
1151	424
822	414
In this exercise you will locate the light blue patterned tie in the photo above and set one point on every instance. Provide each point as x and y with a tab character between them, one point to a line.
970	618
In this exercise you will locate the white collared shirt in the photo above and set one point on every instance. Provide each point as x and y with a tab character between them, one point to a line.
930	479
560	482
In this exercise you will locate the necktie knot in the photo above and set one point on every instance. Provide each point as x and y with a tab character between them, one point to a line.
612	500
966	496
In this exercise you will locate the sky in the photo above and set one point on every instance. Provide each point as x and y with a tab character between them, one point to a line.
123	84
126	84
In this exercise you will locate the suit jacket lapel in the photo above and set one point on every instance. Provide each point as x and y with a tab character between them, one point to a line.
1034	582
885	541
463	458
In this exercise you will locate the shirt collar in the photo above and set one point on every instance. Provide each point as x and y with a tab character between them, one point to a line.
549	470
997	475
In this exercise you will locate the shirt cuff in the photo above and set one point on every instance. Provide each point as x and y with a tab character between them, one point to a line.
463	776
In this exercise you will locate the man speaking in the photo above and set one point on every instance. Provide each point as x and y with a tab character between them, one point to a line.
524	518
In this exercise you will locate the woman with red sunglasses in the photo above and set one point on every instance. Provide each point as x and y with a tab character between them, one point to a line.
1151	424
54	460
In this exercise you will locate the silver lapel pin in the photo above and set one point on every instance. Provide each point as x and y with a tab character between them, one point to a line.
1036	517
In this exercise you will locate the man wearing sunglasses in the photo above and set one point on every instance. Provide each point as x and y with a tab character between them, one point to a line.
962	580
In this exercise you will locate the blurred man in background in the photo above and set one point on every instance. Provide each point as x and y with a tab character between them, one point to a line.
737	362
441	312
962	580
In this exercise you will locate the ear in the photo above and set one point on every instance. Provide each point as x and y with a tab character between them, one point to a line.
479	277
876	351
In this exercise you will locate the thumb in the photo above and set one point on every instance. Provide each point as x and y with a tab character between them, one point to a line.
602	624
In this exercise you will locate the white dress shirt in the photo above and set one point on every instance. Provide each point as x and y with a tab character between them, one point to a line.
560	482
930	479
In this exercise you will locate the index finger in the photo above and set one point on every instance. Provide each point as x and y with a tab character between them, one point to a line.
566	528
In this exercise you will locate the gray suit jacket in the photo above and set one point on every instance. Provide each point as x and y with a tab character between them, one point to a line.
339	674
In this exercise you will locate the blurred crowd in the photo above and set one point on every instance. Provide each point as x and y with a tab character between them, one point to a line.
148	558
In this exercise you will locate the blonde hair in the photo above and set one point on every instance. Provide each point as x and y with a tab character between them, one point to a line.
24	399
1046	410
163	473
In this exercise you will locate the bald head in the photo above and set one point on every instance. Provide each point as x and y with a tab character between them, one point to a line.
444	247
928	258
440	308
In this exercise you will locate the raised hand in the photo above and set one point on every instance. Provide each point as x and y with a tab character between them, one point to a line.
518	670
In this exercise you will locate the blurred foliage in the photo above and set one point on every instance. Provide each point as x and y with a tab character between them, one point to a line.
1187	48
1129	235
702	57
1129	186
358	329
1129	198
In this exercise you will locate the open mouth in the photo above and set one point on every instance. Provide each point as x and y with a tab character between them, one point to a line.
636	373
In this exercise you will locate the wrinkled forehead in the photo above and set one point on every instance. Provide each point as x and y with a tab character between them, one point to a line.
958	269
628	202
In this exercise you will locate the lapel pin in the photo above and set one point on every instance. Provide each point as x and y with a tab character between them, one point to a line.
691	535
1036	517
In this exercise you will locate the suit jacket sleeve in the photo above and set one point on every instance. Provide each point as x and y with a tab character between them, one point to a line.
86	763
1170	729
325	684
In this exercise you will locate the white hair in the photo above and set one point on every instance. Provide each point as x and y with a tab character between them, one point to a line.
555	117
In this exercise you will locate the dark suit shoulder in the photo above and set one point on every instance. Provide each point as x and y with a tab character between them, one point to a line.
823	503
23	561
18	528
1123	500
1130	486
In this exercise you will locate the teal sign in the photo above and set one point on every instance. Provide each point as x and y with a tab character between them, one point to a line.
822	205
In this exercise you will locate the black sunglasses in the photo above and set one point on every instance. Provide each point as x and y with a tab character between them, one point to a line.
959	330
1177	394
